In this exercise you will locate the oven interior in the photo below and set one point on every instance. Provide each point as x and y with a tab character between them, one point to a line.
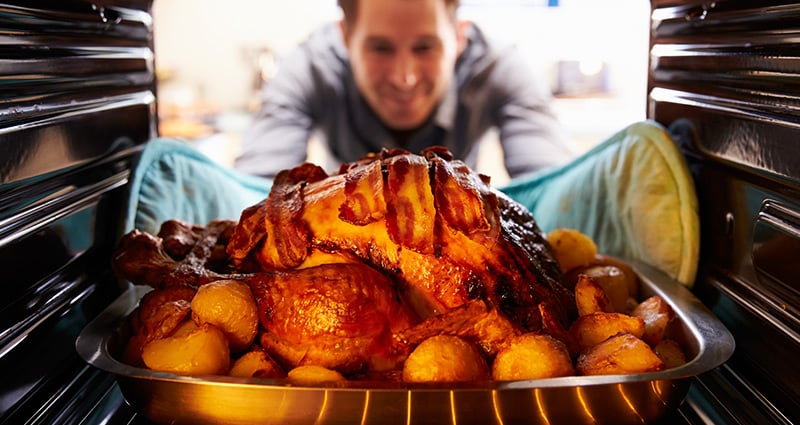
78	104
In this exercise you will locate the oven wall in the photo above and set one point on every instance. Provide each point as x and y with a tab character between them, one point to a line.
725	77
77	101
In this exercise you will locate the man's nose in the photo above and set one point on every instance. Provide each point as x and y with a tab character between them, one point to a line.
404	72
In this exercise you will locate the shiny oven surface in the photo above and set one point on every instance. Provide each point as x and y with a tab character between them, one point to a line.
77	101
724	78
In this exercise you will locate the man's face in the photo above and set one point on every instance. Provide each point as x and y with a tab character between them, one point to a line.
403	55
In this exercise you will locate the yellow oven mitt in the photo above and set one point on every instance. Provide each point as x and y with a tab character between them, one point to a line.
173	180
632	193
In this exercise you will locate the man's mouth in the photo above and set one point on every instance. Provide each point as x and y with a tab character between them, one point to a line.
405	99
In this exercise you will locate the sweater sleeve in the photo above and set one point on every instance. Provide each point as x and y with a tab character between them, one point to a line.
530	133
278	135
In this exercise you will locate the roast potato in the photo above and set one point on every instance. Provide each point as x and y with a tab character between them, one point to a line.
230	306
445	358
532	356
656	314
620	354
615	284
594	328
571	248
311	375
201	351
256	363
158	314
185	328
590	297
629	275
670	353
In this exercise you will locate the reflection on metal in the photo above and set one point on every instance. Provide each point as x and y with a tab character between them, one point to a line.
584	404
724	79
631	405
75	80
498	415
408	409
541	407
324	403
366	407
453	409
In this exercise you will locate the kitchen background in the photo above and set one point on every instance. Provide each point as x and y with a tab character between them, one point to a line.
213	56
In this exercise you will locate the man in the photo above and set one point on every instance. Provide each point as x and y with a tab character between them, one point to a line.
402	73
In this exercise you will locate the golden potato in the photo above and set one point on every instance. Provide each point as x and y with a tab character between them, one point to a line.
629	275
230	306
571	248
623	353
132	352
310	375
670	353
615	284
594	328
256	363
159	312
445	358
186	327
532	356
151	304
656	314
590	297
203	351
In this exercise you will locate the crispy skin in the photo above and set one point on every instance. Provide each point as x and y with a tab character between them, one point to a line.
142	258
339	316
441	232
364	202
487	328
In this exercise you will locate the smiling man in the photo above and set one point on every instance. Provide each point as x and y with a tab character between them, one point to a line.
408	74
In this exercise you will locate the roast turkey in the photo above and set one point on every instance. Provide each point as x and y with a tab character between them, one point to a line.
353	269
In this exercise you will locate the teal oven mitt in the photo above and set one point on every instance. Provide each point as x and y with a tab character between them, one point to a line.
632	194
173	180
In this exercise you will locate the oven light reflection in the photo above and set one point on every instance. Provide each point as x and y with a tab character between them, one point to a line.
540	405
585	404
538	397
366	407
452	407
656	389
630	404
408	409
322	409
497	414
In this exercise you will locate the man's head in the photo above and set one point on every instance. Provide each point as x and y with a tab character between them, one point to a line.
403	55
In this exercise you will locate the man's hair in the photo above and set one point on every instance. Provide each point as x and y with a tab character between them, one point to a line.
350	7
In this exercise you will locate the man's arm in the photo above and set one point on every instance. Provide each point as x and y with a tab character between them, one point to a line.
530	133
278	136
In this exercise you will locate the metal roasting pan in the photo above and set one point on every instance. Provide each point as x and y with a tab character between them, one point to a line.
619	399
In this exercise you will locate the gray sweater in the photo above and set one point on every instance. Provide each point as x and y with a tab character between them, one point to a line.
314	92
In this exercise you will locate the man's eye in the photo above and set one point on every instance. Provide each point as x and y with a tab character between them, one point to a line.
423	48
381	48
